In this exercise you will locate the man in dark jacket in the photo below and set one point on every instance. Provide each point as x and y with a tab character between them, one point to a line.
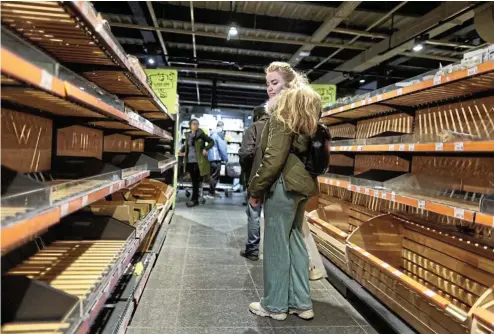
250	160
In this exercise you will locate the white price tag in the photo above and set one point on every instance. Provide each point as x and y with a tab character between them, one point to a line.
379	97
421	204
349	187
359	148
384	195
459	213
338	183
376	193
331	182
370	99
363	102
46	80
391	147
473	70
353	105
393	196
341	108
111	189
84	200
367	191
411	147
64	210
437	80
459	147
399	91
439	146
401	148
357	189
333	148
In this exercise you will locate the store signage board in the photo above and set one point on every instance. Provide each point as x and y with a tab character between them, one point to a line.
327	92
164	84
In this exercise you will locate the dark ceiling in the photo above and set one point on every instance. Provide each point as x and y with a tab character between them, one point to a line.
270	31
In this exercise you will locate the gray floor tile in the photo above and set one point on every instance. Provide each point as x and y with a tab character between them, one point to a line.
165	277
257	275
217	277
320	330
205	256
148	330
215	308
172	256
327	310
213	241
223	330
175	240
157	309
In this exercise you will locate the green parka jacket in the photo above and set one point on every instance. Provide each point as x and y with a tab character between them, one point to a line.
200	144
281	151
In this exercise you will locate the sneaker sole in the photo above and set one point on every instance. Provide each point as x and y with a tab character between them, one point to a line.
298	315
280	317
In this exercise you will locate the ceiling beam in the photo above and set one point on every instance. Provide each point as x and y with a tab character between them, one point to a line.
330	23
160	37
228	84
249	75
241	37
437	21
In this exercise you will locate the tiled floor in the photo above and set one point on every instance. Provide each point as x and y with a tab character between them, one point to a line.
200	284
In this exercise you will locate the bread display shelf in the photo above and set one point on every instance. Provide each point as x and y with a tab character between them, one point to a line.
78	26
482	322
156	162
434	205
438	147
475	79
25	227
61	97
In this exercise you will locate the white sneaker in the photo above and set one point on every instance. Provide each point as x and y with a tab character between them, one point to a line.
306	315
257	309
315	274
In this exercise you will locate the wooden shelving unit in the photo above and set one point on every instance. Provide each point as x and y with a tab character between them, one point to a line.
406	208
79	205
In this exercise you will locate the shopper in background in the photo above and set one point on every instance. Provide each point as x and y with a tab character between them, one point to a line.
216	155
197	145
284	185
250	160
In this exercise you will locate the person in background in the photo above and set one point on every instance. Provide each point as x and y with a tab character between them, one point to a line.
197	145
284	185
250	160
216	155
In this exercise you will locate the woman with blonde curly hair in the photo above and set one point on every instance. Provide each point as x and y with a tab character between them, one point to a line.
284	185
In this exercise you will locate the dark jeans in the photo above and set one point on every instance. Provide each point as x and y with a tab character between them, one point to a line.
215	176
195	176
253	229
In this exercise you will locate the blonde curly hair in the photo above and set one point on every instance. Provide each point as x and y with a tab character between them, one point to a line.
298	105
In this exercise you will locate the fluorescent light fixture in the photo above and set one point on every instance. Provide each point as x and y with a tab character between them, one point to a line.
304	53
250	117
362	80
151	61
233	31
418	47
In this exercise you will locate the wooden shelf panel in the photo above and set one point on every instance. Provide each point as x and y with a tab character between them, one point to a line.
18	232
458	147
54	95
485	317
463	82
73	33
436	206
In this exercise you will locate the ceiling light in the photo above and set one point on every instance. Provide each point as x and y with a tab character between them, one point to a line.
233	31
304	53
250	117
418	47
362	80
151	61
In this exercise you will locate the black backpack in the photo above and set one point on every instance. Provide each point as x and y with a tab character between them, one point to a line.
317	162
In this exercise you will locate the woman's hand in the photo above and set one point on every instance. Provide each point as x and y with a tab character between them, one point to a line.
204	153
254	202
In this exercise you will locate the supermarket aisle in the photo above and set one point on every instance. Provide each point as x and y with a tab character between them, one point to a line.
201	285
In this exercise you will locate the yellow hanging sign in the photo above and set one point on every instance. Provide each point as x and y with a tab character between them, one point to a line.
164	84
327	92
